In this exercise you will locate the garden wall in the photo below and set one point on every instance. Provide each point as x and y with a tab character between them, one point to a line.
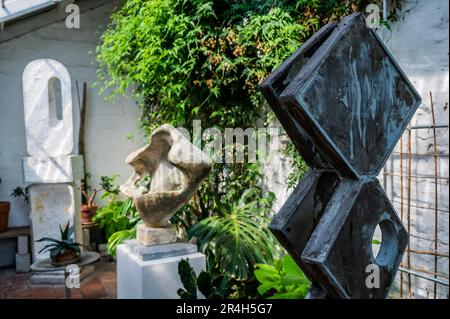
419	42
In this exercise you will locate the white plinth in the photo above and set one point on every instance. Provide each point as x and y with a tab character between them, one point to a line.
151	272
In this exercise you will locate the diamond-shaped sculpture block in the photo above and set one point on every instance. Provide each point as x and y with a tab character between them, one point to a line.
339	251
351	98
278	80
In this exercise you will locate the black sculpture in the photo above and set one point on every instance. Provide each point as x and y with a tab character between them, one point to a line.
345	103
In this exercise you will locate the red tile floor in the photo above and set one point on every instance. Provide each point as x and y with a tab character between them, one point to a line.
100	284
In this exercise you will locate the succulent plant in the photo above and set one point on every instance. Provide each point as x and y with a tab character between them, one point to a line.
64	246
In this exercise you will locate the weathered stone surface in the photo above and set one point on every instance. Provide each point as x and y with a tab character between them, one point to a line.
48	132
57	277
23	262
22	245
177	169
155	236
61	169
53	205
51	170
155	252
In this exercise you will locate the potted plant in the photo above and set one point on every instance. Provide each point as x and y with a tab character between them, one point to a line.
62	252
88	208
4	214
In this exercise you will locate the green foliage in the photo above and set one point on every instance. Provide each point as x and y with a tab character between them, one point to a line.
299	166
237	237
188	279
107	183
118	218
57	246
20	192
283	280
211	286
204	59
199	59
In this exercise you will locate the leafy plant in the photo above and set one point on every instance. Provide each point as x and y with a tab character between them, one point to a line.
211	286
237	238
282	280
58	246
299	167
109	186
21	192
118	218
87	191
188	279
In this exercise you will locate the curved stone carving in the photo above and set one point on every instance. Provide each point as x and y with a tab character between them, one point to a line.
48	134
176	167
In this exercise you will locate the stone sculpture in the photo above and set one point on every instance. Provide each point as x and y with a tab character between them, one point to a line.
345	103
176	168
52	170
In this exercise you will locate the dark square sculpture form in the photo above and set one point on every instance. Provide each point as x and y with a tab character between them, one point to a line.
345	103
340	248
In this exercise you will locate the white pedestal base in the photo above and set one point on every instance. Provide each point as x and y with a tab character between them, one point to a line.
151	272
57	277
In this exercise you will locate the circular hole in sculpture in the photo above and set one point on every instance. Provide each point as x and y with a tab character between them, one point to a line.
377	239
384	243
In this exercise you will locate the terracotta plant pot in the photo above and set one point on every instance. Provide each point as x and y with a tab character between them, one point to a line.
4	215
87	213
64	258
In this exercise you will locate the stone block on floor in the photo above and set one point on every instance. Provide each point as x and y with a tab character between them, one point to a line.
23	262
22	244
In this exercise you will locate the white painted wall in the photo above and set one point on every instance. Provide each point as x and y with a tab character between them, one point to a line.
420	44
107	124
